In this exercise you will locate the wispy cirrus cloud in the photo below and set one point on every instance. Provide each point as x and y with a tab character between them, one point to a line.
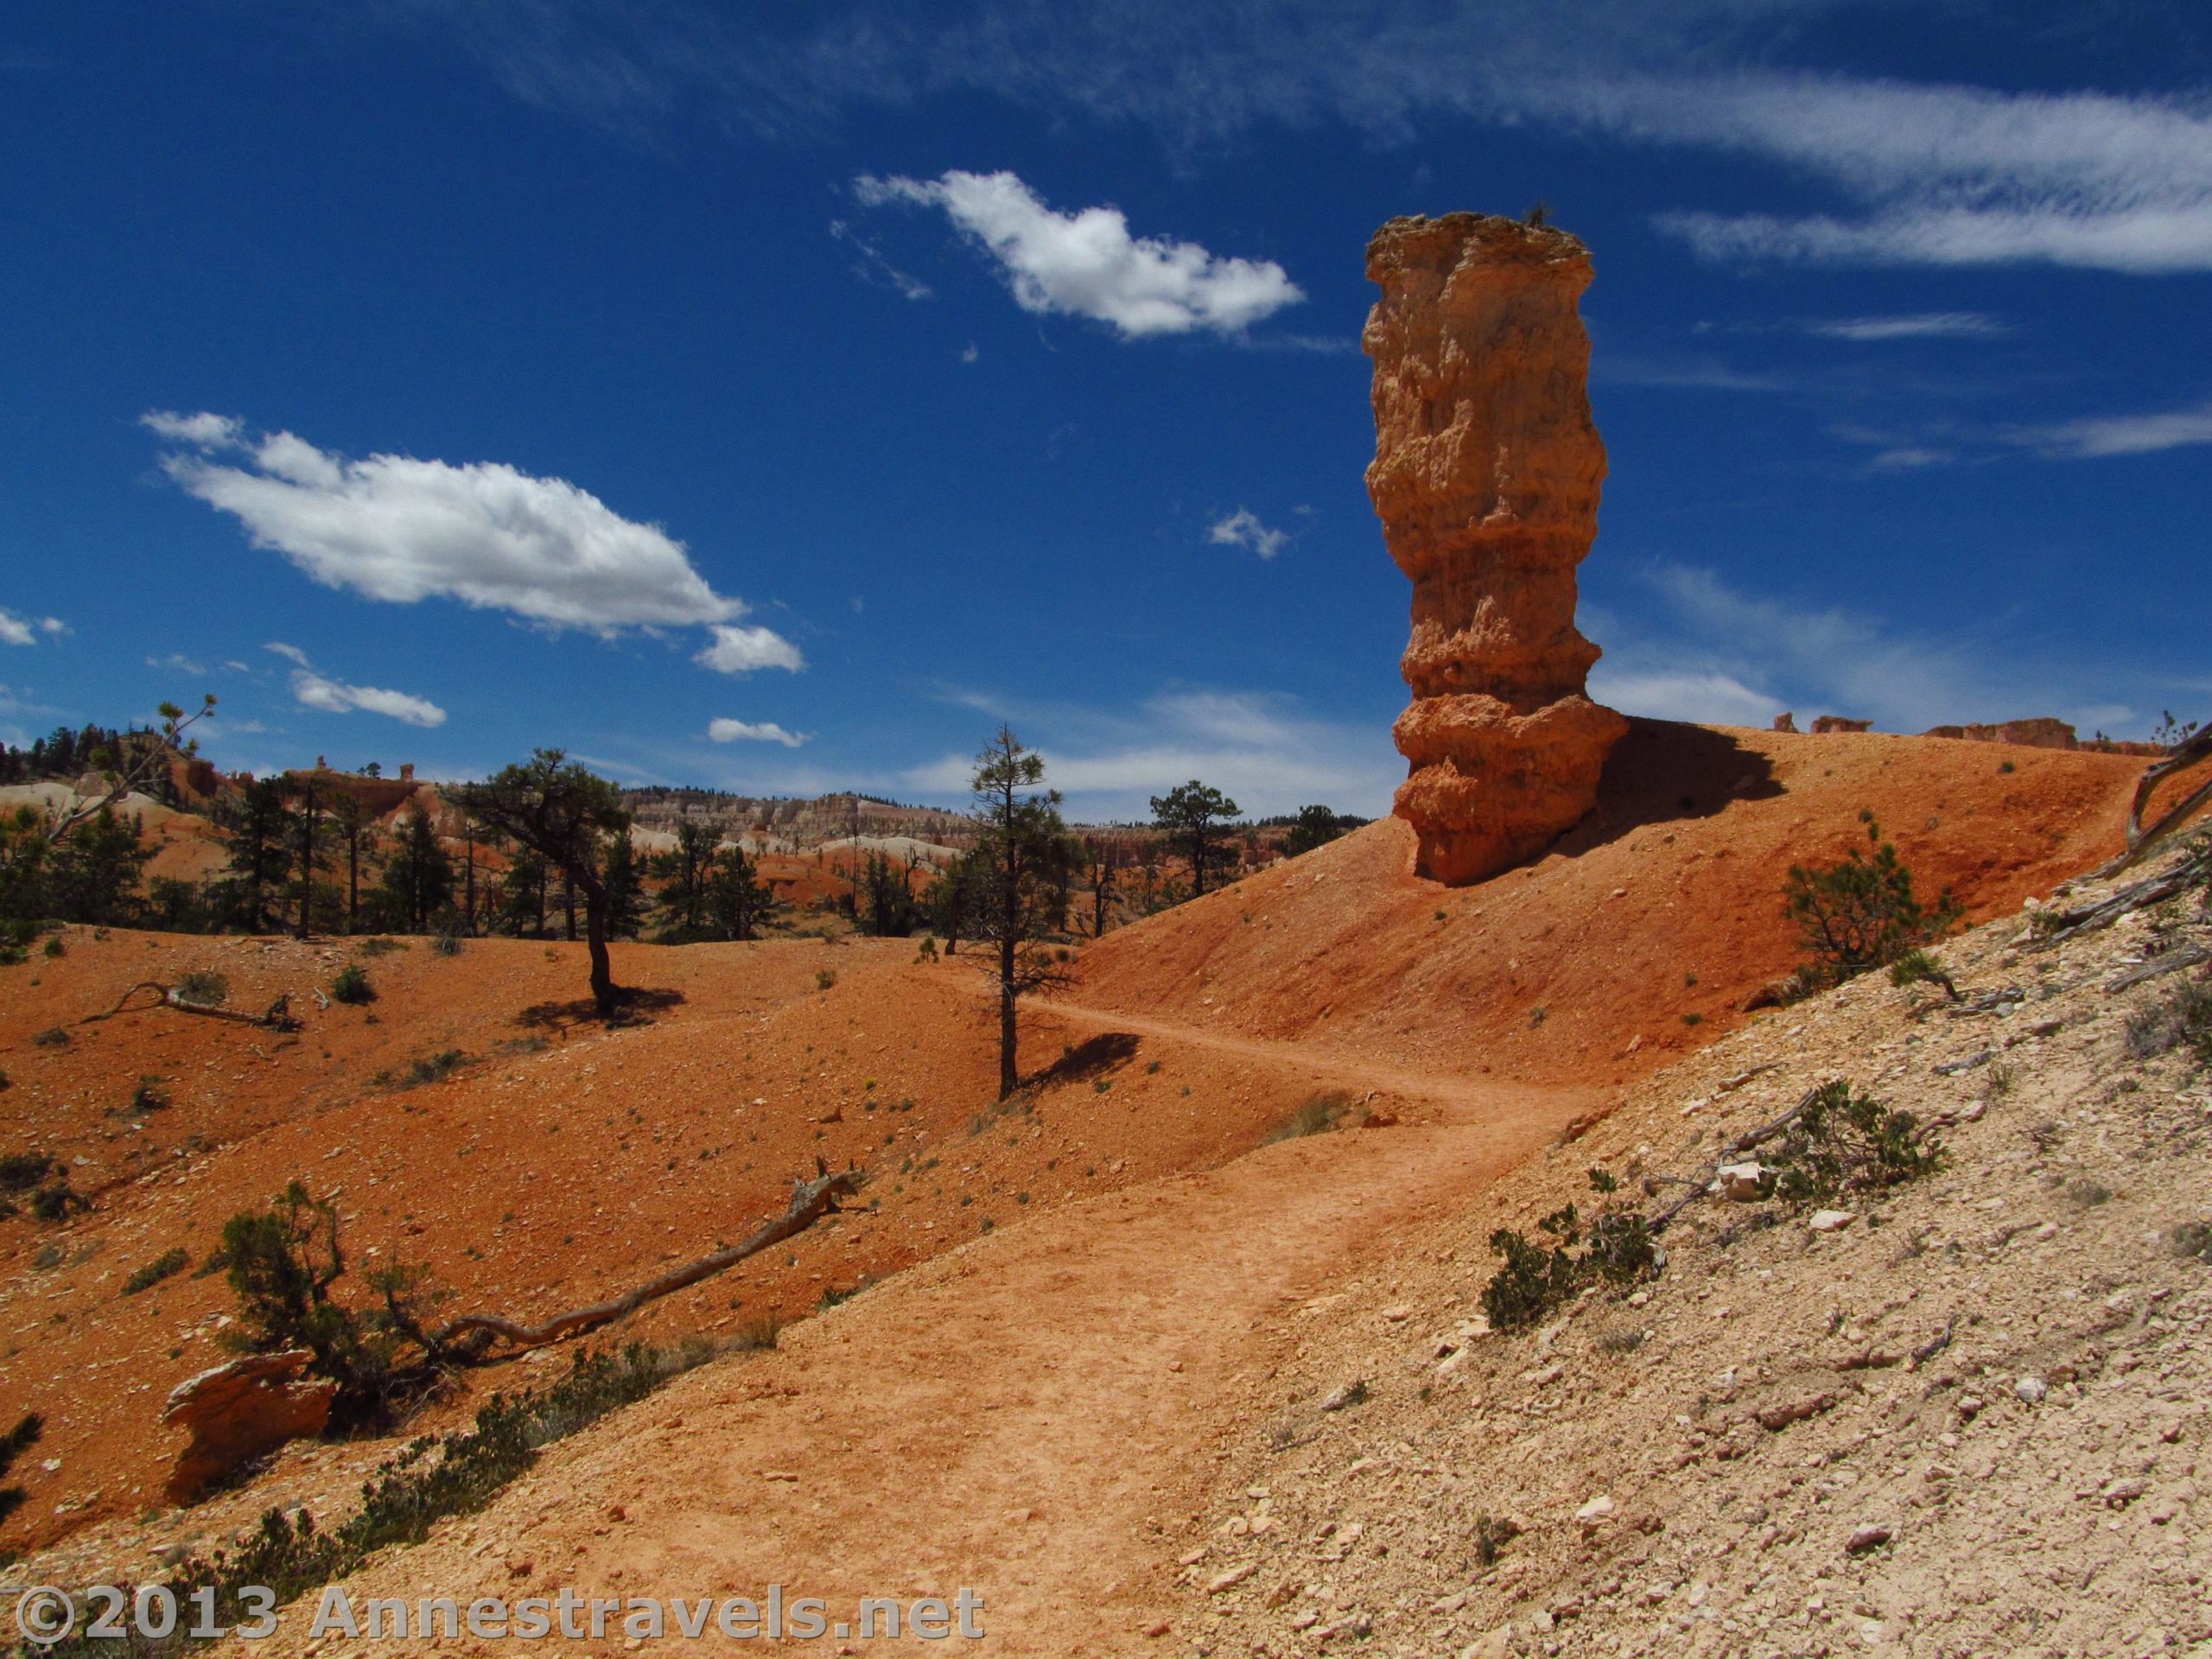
1089	264
397	530
1696	647
871	264
1928	173
1926	325
2099	437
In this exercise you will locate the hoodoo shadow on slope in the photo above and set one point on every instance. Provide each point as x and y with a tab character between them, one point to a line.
1663	771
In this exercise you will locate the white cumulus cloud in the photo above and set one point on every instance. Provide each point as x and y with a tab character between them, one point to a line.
314	691
747	731
24	630
1242	528
741	649
1088	264
311	689
399	530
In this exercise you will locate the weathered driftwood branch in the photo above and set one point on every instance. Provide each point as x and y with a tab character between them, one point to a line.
810	1201
1736	1149
2163	965
279	1017
2141	841
2070	923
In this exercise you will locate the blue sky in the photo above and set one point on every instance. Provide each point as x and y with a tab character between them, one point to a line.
778	406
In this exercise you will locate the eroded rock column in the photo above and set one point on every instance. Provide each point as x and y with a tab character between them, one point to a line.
1486	476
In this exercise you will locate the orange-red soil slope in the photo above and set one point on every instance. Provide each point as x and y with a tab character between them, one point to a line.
554	1161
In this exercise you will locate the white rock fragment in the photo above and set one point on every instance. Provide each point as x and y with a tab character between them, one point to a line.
1831	1221
1739	1181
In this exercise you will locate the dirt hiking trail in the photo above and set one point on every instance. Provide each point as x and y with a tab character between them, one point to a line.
1024	1415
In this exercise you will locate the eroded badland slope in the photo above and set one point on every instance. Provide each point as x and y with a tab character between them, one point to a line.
1041	1409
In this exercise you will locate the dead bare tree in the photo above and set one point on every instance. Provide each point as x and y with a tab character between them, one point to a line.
809	1202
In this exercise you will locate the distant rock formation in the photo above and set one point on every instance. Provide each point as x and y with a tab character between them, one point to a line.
1840	723
1785	722
2041	733
1486	476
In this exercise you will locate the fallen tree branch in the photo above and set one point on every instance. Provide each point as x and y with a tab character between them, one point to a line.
2166	964
810	1201
2151	890
1742	1144
279	1017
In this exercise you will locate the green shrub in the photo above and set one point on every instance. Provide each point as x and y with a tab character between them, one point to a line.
429	1481
203	988
21	1171
824	978
168	1264
52	1037
1917	967
1319	1114
446	942
16	1441
1843	1142
58	1201
1862	912
1537	1278
351	986
2183	1017
283	1264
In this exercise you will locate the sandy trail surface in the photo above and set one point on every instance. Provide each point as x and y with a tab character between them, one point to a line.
1032	1416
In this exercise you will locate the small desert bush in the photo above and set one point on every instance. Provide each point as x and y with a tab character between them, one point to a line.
58	1201
168	1264
1919	967
351	986
203	988
824	978
1492	1535
381	946
423	1070
283	1263
1617	1248
1319	1114
21	1171
446	942
52	1037
2192	1240
1843	1142
16	1441
429	1481
2184	1017
148	1097
1861	911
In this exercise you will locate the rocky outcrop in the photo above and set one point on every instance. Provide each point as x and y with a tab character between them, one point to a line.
1486	476
1825	723
241	1411
2040	732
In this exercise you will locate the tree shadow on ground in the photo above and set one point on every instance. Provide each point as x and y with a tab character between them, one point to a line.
1092	1058
633	1006
1663	771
